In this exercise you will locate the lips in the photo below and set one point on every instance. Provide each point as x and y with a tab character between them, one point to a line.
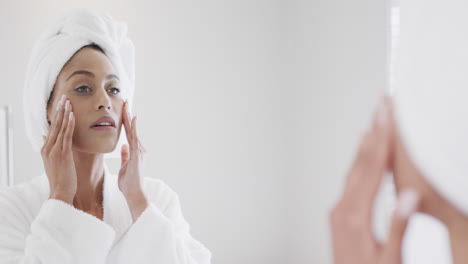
104	119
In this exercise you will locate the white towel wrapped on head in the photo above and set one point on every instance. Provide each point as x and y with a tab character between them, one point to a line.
76	29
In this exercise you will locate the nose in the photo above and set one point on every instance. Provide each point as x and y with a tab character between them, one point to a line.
102	106
103	100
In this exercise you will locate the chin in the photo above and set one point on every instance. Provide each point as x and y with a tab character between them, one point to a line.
98	147
106	148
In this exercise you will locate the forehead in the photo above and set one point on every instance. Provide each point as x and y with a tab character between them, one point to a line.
88	59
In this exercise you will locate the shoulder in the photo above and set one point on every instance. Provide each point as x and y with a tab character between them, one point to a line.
21	203
158	192
35	189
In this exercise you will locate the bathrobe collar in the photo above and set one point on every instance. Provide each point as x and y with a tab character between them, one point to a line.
116	211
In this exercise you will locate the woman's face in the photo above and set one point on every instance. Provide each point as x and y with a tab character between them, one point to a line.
91	84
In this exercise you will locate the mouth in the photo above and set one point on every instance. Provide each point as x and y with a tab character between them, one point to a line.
104	123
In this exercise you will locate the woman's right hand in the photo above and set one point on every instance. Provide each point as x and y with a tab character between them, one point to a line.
57	154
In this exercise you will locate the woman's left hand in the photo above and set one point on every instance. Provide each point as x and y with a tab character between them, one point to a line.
130	180
351	218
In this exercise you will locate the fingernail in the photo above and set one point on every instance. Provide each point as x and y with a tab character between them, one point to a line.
67	105
70	116
407	203
60	102
58	105
62	99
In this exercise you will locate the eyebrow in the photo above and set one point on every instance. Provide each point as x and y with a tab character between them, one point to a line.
90	74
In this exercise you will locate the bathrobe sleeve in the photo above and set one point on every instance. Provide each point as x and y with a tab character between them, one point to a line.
160	237
58	234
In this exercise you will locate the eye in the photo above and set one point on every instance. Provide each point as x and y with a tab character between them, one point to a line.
114	90
82	89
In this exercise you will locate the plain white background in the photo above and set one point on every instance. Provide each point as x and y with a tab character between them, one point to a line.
249	109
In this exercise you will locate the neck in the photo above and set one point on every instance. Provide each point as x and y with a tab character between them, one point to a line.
90	176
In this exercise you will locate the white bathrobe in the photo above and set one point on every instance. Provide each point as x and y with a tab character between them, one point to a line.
35	229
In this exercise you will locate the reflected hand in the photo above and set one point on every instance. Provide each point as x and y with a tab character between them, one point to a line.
351	218
130	180
57	154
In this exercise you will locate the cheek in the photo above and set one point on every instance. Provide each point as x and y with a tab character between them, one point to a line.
81	111
81	122
79	127
118	115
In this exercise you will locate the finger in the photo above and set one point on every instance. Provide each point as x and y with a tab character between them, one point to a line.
138	146
44	139
51	122
65	122
126	121
68	137
408	203
134	139
373	157
124	154
141	149
56	122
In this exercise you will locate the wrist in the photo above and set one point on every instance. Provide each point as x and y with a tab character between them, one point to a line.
136	199
62	197
137	204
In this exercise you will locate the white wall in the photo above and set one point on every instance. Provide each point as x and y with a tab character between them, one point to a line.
248	109
337	53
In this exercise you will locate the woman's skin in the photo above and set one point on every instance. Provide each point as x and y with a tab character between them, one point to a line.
381	151
73	151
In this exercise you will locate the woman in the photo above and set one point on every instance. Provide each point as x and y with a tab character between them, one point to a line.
382	150
78	90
